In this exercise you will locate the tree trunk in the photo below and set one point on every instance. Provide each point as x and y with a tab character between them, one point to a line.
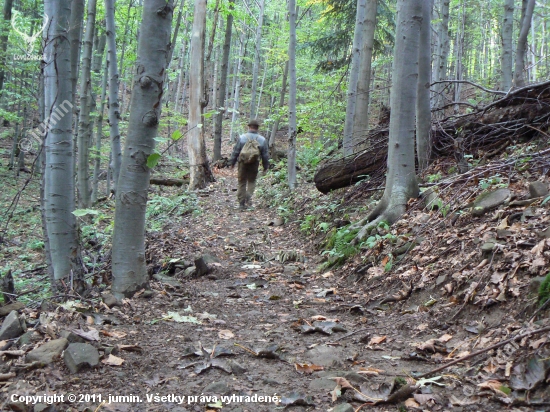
272	150
8	4
257	53
506	59
401	184
442	52
353	77
361	113
129	269
75	37
223	82
59	193
98	132
519	76
292	97
84	131
235	115
114	113
423	109
199	168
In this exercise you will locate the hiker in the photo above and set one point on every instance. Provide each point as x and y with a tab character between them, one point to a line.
248	150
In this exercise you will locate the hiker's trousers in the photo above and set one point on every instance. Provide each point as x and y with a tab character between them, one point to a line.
247	181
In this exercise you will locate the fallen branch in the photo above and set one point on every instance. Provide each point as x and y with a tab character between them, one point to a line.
487	349
167	181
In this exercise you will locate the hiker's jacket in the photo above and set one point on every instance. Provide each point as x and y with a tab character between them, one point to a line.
262	141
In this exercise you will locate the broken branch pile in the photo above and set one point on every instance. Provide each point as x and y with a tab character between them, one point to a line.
520	115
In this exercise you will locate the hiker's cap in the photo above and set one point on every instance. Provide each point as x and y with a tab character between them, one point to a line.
254	123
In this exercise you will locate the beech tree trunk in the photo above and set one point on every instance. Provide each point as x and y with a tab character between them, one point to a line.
519	75
199	169
75	37
401	183
440	72
506	58
59	193
353	76
256	66
222	86
129	269
272	150
98	132
361	114
84	130
292	97
113	105
235	115
8	4
423	109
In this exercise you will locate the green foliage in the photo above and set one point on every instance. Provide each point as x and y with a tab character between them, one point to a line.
434	178
544	290
160	209
339	245
496	181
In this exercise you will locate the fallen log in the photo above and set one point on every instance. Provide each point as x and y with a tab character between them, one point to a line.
520	115
168	181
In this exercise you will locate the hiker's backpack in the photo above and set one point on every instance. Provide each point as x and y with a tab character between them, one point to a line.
250	153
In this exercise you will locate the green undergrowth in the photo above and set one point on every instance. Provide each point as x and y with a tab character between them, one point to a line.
544	290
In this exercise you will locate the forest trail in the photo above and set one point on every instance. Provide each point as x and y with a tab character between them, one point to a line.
275	324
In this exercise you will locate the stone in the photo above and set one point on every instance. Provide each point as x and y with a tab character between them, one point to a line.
6	310
168	280
12	327
343	407
325	356
71	337
534	284
489	201
147	294
48	352
42	407
201	266
109	299
78	356
236	368
544	234
190	271
538	189
28	338
218	388
431	199
209	259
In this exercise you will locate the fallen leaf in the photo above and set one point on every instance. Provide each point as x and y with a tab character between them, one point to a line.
445	338
113	361
370	371
226	334
377	340
424	398
307	368
411	403
92	334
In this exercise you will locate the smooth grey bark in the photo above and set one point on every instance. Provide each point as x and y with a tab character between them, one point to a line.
292	96
75	37
506	57
59	193
84	130
353	77
223	83
114	106
361	114
99	132
122	50
199	169
401	183
129	269
233	135
213	34
99	45
8	4
181	76
519	75
272	151
256	66
440	72
423	109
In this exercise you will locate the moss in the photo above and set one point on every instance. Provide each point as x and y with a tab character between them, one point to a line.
338	245
544	290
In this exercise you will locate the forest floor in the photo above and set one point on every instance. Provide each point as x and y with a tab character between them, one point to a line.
270	319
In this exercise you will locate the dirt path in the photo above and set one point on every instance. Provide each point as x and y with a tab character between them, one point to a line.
249	302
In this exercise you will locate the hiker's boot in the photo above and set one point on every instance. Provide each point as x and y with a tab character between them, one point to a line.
242	205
